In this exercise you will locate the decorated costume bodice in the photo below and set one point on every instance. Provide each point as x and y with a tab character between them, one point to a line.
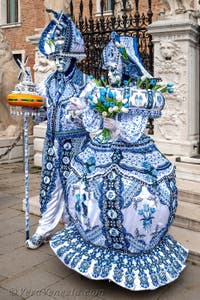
142	104
59	88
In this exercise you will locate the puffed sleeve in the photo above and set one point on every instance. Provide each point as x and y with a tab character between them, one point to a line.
88	89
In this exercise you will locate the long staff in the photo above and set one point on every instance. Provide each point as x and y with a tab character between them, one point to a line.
26	173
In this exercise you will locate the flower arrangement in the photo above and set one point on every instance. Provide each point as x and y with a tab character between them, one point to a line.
154	84
109	101
108	104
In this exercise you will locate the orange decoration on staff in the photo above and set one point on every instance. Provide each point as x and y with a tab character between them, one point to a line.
25	100
25	92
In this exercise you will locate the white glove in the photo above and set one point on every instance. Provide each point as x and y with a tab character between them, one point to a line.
77	105
110	124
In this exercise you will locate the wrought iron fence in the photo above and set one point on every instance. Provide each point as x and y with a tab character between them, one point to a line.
96	29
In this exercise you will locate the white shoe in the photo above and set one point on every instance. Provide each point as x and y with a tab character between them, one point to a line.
36	241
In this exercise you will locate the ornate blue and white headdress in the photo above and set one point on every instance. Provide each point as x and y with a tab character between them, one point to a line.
111	57
122	53
61	37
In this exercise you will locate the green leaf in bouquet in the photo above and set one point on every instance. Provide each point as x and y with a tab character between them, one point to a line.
139	82
164	90
147	83
98	82
106	134
129	81
156	87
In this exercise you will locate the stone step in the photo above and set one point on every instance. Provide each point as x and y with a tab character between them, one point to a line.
39	131
34	205
188	216
38	159
188	191
188	171
16	154
38	144
190	240
186	159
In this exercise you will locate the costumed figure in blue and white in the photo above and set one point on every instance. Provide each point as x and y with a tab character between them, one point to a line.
121	192
62	42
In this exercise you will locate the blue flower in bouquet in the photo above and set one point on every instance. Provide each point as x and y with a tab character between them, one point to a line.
126	105
103	92
110	94
114	94
92	104
170	91
127	96
152	82
170	85
106	104
102	99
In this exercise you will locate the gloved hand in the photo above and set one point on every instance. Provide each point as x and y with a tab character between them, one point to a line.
110	124
113	126
77	105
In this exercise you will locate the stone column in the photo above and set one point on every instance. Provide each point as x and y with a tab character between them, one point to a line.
176	60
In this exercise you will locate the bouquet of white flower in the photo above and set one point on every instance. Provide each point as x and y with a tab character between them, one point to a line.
109	102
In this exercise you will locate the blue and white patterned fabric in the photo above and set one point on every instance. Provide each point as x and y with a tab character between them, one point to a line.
62	128
61	37
112	56
147	271
121	199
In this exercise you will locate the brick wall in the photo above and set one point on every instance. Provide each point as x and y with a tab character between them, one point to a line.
31	17
143	6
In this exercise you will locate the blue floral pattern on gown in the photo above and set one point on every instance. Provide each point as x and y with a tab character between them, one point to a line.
122	198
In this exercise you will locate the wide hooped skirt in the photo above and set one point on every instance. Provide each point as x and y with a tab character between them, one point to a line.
121	200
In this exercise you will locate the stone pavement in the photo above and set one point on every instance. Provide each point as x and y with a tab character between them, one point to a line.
39	275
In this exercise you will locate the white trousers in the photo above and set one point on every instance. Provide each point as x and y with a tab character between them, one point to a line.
55	209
